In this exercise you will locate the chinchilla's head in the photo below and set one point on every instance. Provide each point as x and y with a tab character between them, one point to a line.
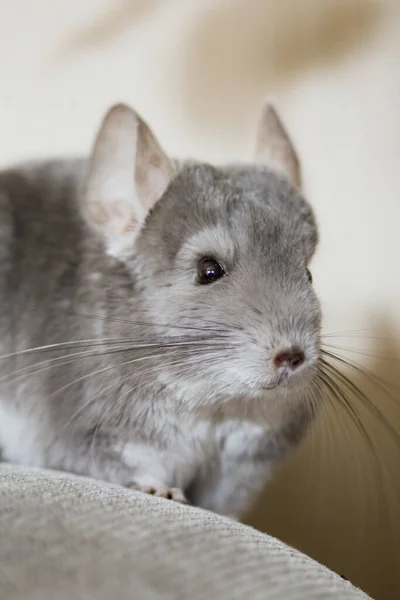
220	256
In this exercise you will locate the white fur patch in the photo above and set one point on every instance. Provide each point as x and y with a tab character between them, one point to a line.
18	437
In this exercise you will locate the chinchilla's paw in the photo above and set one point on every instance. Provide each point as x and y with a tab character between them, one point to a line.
160	490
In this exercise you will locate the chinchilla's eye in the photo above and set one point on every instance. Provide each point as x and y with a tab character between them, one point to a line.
309	275
209	270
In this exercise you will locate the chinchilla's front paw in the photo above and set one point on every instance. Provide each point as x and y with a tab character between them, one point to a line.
160	490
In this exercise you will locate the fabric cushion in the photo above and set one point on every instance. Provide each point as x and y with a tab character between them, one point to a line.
66	537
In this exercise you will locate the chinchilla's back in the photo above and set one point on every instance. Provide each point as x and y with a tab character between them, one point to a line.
41	242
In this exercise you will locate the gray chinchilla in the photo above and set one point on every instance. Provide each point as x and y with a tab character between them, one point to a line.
158	324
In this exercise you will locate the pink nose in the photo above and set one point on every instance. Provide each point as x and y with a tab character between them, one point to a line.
290	357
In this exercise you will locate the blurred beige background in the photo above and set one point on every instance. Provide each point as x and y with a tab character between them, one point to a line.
198	71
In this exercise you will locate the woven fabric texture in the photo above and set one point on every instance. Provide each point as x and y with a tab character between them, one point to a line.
65	537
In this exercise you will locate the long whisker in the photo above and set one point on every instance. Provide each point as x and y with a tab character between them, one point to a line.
351	386
382	471
8	380
117	365
139	344
63	345
346	428
51	363
361	371
338	393
147	323
59	361
313	399
356	334
357	351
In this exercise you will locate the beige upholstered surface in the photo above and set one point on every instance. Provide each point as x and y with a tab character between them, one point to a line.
63	537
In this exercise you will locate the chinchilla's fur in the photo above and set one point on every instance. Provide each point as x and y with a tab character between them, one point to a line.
117	362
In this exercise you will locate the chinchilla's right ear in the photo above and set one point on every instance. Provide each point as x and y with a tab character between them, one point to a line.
274	147
128	172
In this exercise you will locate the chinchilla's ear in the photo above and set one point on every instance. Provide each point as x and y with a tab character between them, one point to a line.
274	147
128	172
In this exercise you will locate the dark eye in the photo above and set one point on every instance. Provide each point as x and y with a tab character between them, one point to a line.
309	275
209	270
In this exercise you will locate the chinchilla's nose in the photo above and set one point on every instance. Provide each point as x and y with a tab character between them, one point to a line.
291	357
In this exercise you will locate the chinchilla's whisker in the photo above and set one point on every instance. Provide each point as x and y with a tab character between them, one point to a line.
138	344
341	396
358	393
357	351
51	363
108	368
146	323
347	428
361	371
356	334
62	346
338	394
60	361
314	395
75	344
319	393
66	358
341	378
381	471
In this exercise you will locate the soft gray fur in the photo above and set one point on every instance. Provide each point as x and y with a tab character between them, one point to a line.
208	418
